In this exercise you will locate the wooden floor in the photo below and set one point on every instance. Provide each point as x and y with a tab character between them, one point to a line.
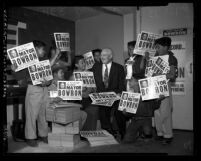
181	145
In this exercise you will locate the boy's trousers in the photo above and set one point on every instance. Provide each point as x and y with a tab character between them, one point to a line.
36	102
163	117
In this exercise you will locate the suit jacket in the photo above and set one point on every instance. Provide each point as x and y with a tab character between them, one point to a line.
116	78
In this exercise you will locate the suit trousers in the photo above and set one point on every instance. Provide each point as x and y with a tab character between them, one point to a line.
36	102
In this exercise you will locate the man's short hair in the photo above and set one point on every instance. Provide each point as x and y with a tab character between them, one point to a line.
38	44
96	50
164	41
131	43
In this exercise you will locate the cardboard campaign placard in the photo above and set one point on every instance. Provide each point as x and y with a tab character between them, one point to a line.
129	101
153	87
145	42
62	41
98	137
70	90
157	66
23	56
89	60
40	71
104	98
86	77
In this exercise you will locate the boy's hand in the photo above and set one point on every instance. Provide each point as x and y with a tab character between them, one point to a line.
45	82
161	97
146	55
58	99
14	67
124	111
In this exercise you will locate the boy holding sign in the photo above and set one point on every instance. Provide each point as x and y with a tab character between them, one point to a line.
91	110
58	74
163	116
35	102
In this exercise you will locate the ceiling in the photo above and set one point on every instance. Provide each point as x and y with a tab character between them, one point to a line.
77	13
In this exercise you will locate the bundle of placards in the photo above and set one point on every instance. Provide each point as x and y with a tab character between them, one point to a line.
70	128
86	77
99	137
61	140
104	98
129	101
89	59
63	115
157	66
145	43
153	87
65	124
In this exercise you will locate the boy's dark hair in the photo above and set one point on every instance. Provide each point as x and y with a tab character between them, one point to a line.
55	69
77	58
96	50
49	53
164	41
38	43
131	43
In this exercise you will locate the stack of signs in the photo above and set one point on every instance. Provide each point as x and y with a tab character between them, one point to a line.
40	71
86	77
89	60
61	140
23	56
145	43
129	101
69	90
99	137
65	124
104	98
157	66
70	128
63	115
64	104
62	41
153	87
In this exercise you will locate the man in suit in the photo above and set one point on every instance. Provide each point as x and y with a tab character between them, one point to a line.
109	76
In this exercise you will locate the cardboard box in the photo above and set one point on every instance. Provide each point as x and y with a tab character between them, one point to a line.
70	128
63	115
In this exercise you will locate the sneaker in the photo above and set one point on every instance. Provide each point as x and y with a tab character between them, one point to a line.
159	138
43	139
166	141
32	142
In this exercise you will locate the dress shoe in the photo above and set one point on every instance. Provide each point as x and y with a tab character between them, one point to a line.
43	139
32	142
159	138
167	141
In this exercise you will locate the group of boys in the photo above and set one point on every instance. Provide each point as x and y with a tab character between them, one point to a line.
109	76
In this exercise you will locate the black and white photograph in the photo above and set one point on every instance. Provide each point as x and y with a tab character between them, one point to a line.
74	74
13	53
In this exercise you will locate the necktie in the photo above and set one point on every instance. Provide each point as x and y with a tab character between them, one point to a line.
106	77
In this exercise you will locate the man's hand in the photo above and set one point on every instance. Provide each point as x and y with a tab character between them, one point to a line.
14	67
